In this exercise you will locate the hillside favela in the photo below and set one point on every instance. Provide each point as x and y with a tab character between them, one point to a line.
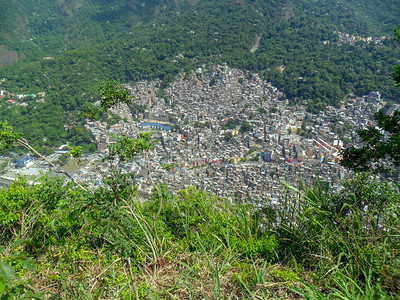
199	149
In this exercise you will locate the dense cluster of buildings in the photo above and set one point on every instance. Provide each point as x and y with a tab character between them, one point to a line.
346	38
236	135
230	133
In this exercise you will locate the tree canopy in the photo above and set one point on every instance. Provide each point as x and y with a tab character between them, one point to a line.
381	143
381	150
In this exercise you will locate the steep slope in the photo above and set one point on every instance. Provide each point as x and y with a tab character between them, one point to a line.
46	28
35	28
299	48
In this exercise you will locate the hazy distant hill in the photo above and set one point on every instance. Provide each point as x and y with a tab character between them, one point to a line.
294	44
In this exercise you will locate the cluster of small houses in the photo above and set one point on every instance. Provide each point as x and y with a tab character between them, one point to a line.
189	118
346	38
21	99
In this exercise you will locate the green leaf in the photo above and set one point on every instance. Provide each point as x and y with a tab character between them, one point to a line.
17	243
7	272
29	264
3	285
31	295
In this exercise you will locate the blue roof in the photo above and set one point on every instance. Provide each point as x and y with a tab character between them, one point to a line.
165	127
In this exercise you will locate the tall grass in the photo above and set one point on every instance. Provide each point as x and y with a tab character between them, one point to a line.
351	238
316	245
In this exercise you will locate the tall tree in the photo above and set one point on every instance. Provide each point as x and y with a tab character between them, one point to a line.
381	143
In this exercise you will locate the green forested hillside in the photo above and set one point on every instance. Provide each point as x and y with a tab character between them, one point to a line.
128	40
36	28
377	17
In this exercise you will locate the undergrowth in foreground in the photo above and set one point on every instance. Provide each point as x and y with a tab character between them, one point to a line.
60	242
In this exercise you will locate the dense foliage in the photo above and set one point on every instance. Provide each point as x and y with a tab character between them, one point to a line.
380	152
128	42
380	149
318	244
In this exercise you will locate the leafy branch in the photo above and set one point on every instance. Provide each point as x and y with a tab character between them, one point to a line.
10	139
